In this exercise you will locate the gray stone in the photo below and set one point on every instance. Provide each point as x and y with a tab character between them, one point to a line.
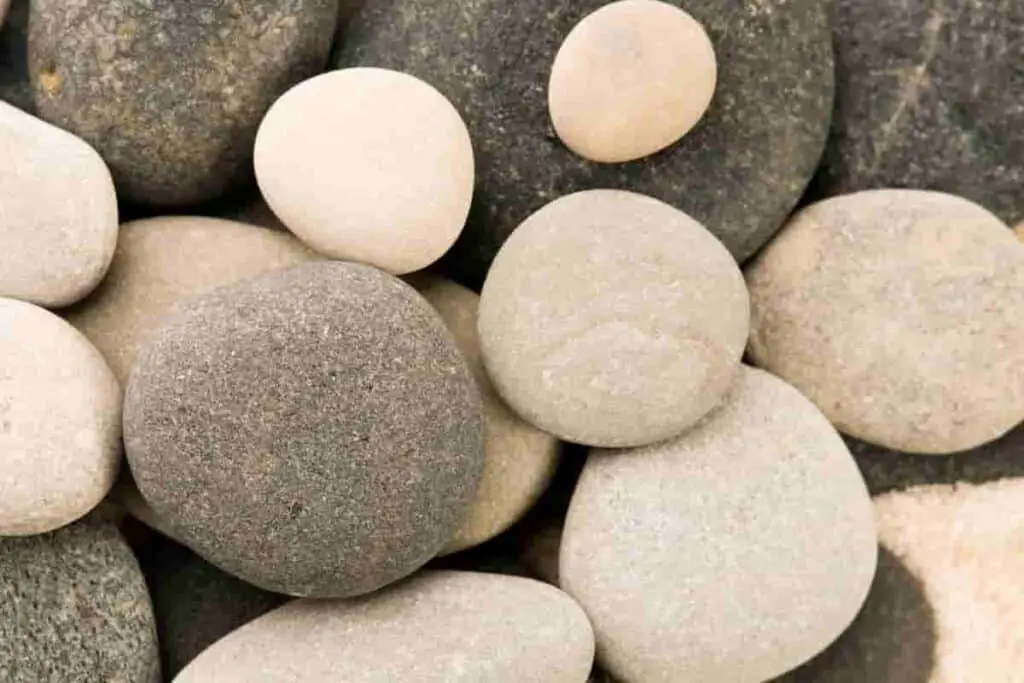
740	171
314	431
171	94
74	609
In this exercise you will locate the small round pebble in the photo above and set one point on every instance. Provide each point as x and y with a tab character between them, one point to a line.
435	627
900	313
314	431
368	165
631	79
75	609
59	212
60	422
612	319
733	553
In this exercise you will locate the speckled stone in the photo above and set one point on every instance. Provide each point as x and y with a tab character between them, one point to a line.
900	314
171	95
60	422
314	431
58	226
928	97
733	553
482	627
14	82
74	608
739	172
612	319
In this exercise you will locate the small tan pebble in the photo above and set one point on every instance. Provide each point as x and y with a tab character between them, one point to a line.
60	422
58	212
613	319
631	79
734	552
435	627
519	459
161	262
368	165
900	314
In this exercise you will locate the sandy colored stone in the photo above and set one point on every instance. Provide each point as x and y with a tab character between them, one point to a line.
368	165
60	422
434	628
733	553
631	79
900	314
519	459
1019	231
58	212
314	431
163	262
612	319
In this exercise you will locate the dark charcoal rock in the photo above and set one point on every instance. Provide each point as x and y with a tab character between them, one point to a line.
314	431
740	171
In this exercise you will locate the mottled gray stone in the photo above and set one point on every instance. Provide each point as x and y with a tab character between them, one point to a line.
171	93
74	609
739	172
314	431
15	87
928	96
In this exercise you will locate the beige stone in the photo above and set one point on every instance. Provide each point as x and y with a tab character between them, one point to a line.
631	79
519	459
900	314
734	552
613	319
1019	231
58	212
434	628
368	165
60	422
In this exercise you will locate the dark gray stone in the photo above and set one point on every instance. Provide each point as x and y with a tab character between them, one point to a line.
740	171
928	96
15	88
74	609
171	93
314	431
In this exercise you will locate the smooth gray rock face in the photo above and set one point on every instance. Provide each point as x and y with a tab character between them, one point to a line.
74	609
171	93
739	172
928	96
314	431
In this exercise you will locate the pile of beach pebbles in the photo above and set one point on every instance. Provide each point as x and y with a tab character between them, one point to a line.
503	342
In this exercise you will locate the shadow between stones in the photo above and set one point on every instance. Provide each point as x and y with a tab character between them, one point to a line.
15	88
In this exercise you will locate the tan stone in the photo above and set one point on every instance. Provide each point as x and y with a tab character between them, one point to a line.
631	79
900	314
1019	231
368	165
60	422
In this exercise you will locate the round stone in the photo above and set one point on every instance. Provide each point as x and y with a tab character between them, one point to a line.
160	263
60	422
631	79
75	608
519	459
171	96
899	313
59	220
314	431
754	527
740	172
387	167
613	319
482	627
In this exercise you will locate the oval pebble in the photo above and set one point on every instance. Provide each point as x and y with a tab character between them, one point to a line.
314	431
733	553
900	314
58	225
433	628
60	422
612	319
386	167
631	79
